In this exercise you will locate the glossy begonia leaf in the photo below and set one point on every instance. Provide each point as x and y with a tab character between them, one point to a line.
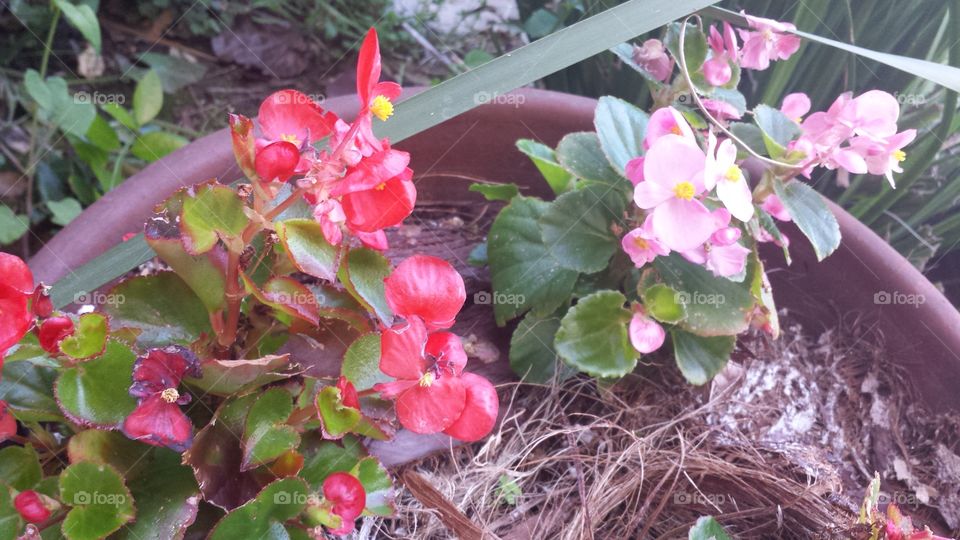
101	501
147	97
361	363
811	214
266	435
11	524
778	129
496	192
362	273
228	377
216	456
662	303
621	128
288	296
700	358
263	516
162	306
336	417
108	448
20	467
329	457
695	45
582	155
715	306
707	528
593	336
378	486
524	274
28	390
210	211
167	498
307	248
546	162
577	228
89	337
532	353
96	392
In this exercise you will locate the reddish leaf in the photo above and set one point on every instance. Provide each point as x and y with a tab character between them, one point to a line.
244	144
287	295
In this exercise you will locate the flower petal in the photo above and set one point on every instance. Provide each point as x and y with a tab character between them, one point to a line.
737	197
52	331
383	206
426	287
293	114
674	159
683	225
368	67
158	423
434	408
646	334
277	161
15	274
15	318
448	351
160	369
479	412
401	350
348	497
8	424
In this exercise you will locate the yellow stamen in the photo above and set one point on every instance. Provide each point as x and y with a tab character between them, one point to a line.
899	155
290	139
641	243
733	173
684	190
381	107
170	395
676	130
381	186
427	379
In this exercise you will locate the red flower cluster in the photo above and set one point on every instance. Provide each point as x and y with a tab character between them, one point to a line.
358	184
433	392
158	420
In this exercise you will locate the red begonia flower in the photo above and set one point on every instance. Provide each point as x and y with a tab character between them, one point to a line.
373	171
158	420
15	274
375	240
277	161
30	506
289	115
479	411
376	97
426	287
8	424
348	393
386	205
349	499
16	288
41	304
52	331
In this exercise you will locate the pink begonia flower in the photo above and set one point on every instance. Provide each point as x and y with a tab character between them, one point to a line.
769	42
795	106
646	334
652	56
642	245
722	171
875	114
667	121
721	110
634	170
717	70
722	254
774	206
673	172
884	157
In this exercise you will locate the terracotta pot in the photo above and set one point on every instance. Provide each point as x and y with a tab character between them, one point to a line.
864	278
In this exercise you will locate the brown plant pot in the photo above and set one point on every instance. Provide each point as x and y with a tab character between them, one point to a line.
865	278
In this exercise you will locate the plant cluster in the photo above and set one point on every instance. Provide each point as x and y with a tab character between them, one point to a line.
185	385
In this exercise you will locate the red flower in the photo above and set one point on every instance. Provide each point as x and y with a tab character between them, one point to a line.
158	420
385	205
348	393
426	287
348	498
31	507
16	288
277	161
52	331
8	424
376	98
290	122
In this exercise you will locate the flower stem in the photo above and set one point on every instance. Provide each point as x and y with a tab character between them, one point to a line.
234	297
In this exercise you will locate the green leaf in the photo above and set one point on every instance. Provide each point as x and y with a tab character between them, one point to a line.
109	448
161	306
120	114
58	106
378	486
330	457
83	18
288	296
102	135
64	211
714	305
147	98
89	337
662	304
307	248
95	393
621	128
701	358
227	377
28	390
532	354
751	135
266	434
695	45
777	129
101	502
167	499
546	162
337	418
12	226
496	192
576	228
263	516
811	214
154	145
508	490
10	523
204	274
581	154
20	467
361	362
362	273
175	73
707	528
593	336
521	267
211	211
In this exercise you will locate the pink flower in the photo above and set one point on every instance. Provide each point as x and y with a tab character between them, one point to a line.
722	254
673	172
642	245
652	57
721	110
722	171
795	106
717	70
774	206
769	42
884	157
646	334
667	121
157	420
634	170
875	114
